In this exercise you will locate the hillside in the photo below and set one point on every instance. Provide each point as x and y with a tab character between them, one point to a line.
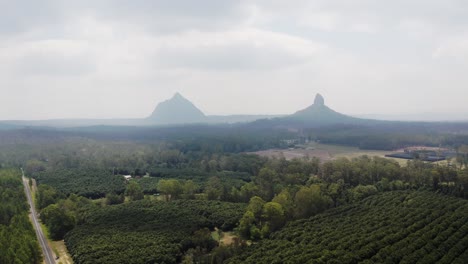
320	113
177	110
392	227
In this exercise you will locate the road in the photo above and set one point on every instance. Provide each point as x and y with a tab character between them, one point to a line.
46	250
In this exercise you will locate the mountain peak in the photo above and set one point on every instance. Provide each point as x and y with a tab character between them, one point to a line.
177	110
319	113
319	100
177	95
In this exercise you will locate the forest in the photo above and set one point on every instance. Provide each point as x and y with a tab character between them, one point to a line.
18	242
185	188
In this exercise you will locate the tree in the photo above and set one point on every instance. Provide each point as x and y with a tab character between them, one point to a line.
309	201
57	220
134	191
214	189
273	215
171	188
189	189
266	180
361	191
46	196
256	206
245	224
113	198
248	191
251	218
335	191
33	167
285	199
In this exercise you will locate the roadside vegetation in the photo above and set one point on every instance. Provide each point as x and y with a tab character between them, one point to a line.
18	242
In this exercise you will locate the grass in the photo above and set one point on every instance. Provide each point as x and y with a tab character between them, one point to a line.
216	235
224	238
228	238
61	250
33	189
346	151
337	151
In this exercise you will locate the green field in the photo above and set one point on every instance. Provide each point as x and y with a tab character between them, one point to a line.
346	151
392	227
150	231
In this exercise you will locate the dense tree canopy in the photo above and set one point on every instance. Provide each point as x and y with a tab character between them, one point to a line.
149	232
392	227
18	242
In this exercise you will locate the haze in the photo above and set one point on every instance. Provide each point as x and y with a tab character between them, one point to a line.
118	59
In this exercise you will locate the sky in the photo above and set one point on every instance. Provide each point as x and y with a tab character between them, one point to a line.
118	59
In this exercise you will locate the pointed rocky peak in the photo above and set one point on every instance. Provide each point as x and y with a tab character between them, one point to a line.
319	113
319	100
177	96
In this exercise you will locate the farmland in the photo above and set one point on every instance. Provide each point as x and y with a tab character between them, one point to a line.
150	232
324	152
181	193
392	227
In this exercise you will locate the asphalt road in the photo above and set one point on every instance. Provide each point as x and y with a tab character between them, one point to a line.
46	250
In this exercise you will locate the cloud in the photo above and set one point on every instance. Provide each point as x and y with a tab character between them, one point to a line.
454	48
363	55
242	49
48	57
21	16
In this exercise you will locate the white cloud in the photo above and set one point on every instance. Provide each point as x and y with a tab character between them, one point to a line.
322	21
453	47
116	58
241	49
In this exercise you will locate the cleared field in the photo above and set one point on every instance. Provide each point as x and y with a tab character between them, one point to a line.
324	152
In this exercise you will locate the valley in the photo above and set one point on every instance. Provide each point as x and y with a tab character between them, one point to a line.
233	132
240	193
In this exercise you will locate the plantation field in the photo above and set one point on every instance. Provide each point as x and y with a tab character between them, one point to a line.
150	231
392	227
90	183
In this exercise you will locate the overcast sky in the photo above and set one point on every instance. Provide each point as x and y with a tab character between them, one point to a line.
116	58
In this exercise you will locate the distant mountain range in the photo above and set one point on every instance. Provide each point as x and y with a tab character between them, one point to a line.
174	111
179	111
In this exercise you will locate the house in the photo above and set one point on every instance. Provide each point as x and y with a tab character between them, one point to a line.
127	177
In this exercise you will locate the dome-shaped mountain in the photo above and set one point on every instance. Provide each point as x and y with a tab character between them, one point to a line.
177	110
